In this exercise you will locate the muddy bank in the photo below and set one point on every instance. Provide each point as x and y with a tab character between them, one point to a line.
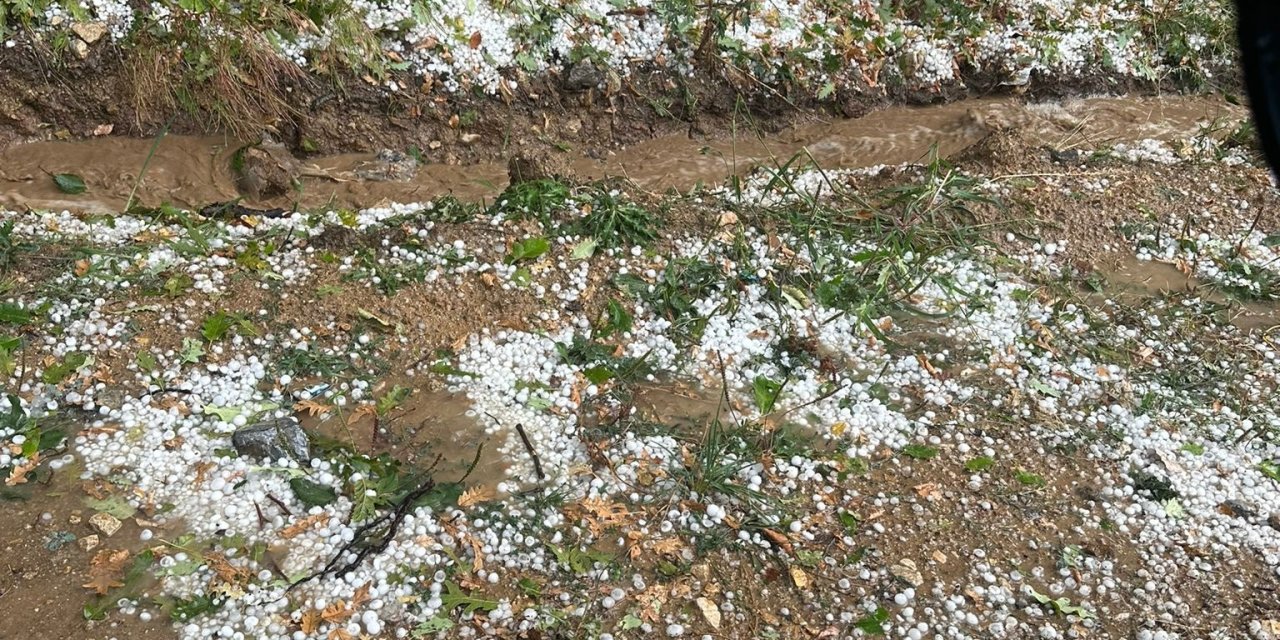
193	171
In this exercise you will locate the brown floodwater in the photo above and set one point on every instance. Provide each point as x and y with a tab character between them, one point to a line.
193	171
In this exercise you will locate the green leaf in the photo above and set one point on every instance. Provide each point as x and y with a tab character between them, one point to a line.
1270	469
146	361
1045	389
443	496
1271	241
527	249
216	326
920	451
1173	509
391	399
11	313
616	319
115	506
598	374
1029	479
433	625
584	249
69	183
766	393
61	371
192	351
630	621
874	623
226	414
1193	448
529	587
849	521
312	494
980	463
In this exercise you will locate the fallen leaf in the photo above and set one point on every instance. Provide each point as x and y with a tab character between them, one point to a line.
778	539
310	621
340	634
928	490
82	267
293	530
799	577
106	569
19	473
312	407
474	42
361	595
475	495
336	613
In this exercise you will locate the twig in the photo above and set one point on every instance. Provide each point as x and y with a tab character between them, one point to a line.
392	521
528	446
280	504
537	464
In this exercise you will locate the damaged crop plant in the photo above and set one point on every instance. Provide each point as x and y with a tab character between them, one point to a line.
741	381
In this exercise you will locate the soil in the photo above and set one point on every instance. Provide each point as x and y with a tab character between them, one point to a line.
40	586
43	96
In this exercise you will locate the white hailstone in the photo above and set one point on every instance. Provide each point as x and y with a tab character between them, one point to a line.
675	630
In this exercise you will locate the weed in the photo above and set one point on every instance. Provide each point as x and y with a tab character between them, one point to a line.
11	248
613	220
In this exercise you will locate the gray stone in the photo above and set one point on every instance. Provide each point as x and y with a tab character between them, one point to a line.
272	440
582	76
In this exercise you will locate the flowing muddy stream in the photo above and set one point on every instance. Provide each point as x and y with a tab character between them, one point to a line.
196	171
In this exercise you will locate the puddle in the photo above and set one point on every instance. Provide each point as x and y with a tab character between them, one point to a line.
1146	278
194	171
427	425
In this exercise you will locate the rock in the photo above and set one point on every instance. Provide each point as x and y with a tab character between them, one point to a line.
710	612
1066	156
88	543
530	165
1266	629
105	523
906	571
89	32
583	75
1274	521
1237	509
265	170
389	166
79	48
272	440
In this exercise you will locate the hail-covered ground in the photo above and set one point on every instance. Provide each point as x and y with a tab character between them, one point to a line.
821	45
913	402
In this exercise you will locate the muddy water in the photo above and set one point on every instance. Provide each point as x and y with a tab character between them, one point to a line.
430	428
195	171
1129	276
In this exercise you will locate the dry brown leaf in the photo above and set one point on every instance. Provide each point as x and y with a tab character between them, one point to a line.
340	634
296	529
477	552
361	595
668	546
82	267
312	407
225	571
19	473
799	577
475	495
336	612
927	490
310	621
360	412
474	42
778	539
926	365
106	569
202	470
